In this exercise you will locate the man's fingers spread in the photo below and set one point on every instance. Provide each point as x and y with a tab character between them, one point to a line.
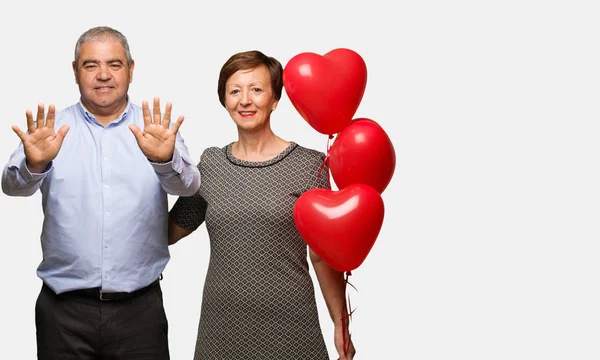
62	132
156	110
19	132
177	124
30	122
167	117
50	117
136	132
146	113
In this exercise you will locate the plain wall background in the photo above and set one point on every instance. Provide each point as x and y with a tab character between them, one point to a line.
490	244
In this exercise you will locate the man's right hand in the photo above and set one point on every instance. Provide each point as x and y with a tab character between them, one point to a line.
41	143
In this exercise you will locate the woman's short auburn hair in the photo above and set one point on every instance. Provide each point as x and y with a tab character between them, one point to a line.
249	60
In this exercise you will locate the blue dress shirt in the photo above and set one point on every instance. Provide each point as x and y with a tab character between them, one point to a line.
105	204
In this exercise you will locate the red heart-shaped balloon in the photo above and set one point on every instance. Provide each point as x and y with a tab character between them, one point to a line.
362	153
340	226
326	90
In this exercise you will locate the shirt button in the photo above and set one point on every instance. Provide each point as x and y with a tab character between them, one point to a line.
105	158
106	276
107	214
105	245
106	186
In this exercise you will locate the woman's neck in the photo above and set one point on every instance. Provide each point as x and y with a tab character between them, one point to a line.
258	146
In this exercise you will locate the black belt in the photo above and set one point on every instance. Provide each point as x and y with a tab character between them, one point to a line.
95	293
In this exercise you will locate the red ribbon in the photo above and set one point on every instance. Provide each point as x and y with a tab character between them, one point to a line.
325	161
347	315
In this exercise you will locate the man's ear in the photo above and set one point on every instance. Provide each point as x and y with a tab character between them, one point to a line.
75	73
131	71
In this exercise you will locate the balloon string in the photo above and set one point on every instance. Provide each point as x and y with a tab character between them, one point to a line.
347	316
325	161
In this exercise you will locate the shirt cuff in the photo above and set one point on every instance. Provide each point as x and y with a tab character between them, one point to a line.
170	166
28	175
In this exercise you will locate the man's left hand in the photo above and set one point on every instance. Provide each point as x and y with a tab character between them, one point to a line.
157	141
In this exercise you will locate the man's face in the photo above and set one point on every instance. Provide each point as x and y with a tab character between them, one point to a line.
103	77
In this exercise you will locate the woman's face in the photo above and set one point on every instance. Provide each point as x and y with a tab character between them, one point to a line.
249	98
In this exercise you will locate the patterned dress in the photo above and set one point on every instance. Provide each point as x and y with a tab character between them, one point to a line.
259	299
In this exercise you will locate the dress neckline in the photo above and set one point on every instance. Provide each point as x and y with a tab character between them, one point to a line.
246	163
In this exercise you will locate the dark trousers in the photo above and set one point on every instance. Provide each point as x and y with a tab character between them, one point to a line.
74	325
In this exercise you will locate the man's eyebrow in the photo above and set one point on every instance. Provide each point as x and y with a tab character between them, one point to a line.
111	61
90	62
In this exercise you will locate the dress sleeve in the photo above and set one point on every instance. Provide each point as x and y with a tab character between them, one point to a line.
189	211
319	177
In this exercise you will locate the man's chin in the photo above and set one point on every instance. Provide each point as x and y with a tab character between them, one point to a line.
105	102
103	105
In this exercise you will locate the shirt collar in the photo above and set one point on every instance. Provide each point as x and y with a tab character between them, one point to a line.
88	116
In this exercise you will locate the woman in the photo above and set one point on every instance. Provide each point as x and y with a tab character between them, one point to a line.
258	300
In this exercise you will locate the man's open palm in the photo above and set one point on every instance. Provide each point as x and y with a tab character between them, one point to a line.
157	141
41	143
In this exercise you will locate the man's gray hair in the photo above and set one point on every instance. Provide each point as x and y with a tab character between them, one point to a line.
102	33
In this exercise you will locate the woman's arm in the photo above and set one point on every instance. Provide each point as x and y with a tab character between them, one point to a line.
176	232
333	288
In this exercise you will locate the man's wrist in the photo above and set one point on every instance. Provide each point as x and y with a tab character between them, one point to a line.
162	162
36	168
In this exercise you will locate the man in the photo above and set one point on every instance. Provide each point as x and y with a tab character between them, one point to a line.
104	176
